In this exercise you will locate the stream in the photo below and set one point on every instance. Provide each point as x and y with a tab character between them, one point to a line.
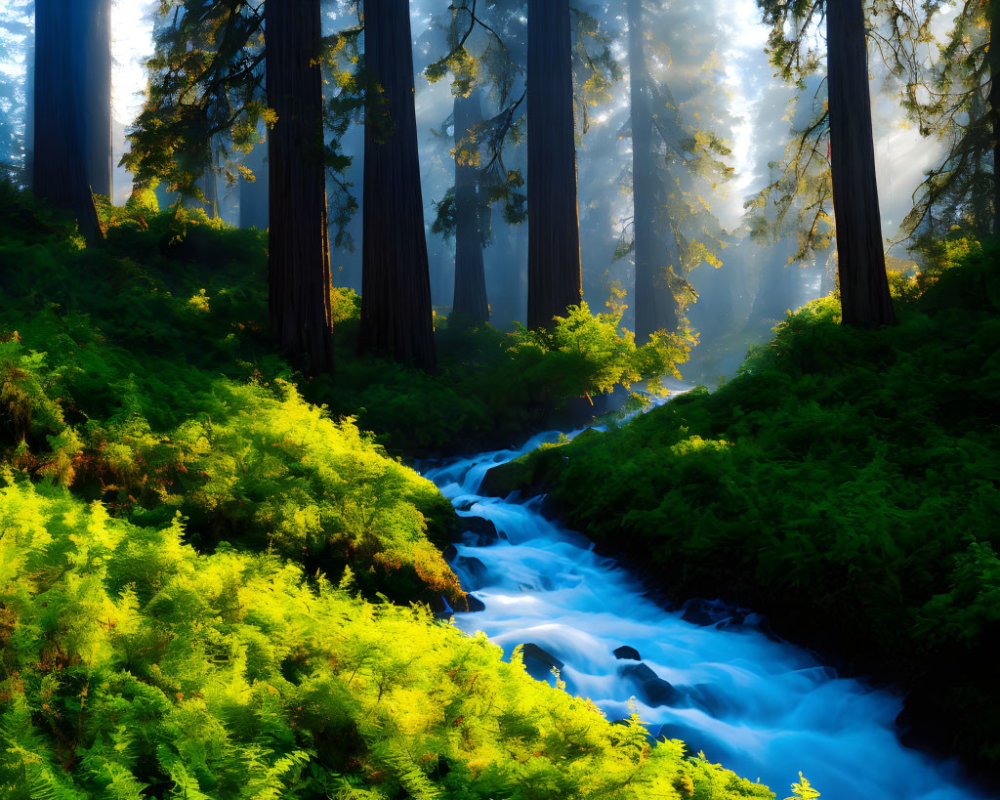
760	706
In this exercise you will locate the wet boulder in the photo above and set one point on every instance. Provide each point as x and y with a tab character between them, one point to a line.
627	653
471	570
710	700
650	687
532	474
501	480
539	662
474	603
705	612
477	531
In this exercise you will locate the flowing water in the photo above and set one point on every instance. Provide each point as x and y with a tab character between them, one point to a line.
762	707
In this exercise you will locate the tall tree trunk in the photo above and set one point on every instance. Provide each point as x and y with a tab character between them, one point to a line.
396	313
470	303
994	60
864	287
554	271
95	82
59	169
253	194
299	249
655	304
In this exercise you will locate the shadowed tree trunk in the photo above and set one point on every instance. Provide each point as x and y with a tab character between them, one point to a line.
554	276
864	287
993	54
470	303
396	314
655	305
299	249
59	173
96	88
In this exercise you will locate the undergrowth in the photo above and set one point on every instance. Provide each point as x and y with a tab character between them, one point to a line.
845	482
133	667
131	387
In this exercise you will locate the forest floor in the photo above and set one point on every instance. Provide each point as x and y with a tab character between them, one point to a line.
846	484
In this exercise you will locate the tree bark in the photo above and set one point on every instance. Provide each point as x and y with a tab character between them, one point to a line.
396	312
59	174
864	287
470	304
299	245
95	82
554	269
994	61
655	304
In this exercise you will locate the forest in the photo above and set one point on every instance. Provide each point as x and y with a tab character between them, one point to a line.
499	400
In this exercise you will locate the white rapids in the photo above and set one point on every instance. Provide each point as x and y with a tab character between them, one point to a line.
763	708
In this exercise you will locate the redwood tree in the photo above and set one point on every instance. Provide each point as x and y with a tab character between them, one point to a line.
396	313
850	181
59	171
95	81
299	248
864	287
554	276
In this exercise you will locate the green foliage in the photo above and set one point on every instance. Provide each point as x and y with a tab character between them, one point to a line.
162	395
584	353
803	790
169	508
845	481
951	99
492	388
131	666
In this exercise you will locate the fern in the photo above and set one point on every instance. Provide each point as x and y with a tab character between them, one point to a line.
803	790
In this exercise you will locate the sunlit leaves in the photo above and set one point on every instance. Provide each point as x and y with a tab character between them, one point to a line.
586	353
239	679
